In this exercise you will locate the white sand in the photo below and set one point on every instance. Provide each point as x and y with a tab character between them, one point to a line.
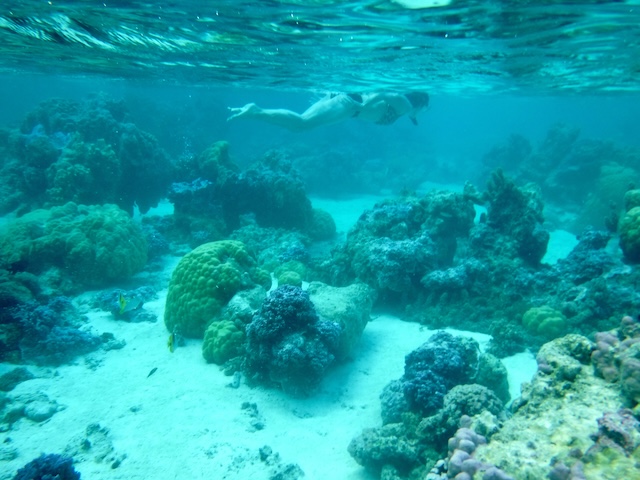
184	422
560	245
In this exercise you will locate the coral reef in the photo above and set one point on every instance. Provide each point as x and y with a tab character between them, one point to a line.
89	246
204	281
86	152
288	345
197	196
273	248
224	338
606	197
270	190
590	288
214	197
322	225
587	177
616	357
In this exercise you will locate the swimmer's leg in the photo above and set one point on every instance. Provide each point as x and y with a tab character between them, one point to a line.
280	117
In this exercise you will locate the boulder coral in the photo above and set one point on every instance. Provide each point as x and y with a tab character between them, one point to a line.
204	281
90	246
270	190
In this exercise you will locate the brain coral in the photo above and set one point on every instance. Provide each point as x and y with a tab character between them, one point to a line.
90	245
204	281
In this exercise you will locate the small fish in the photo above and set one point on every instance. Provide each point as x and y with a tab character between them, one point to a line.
122	302
171	343
127	306
153	370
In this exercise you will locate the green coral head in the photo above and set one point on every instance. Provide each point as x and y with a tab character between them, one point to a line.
545	321
629	230
204	281
223	341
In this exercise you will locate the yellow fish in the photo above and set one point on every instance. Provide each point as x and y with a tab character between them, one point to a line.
123	303
171	343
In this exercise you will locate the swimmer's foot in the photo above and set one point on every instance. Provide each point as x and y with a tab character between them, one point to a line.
248	110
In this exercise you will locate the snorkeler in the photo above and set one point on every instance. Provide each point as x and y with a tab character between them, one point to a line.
378	108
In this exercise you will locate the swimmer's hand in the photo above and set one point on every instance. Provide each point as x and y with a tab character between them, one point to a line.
247	110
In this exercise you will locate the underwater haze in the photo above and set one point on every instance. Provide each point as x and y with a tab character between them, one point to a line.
355	240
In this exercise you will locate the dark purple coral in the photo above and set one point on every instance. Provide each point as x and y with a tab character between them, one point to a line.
617	357
617	430
48	467
50	333
431	370
288	344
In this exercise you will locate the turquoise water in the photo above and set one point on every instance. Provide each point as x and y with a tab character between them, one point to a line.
116	101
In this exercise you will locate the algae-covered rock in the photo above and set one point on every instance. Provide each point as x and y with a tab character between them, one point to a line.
493	375
565	358
243	305
350	307
555	419
204	281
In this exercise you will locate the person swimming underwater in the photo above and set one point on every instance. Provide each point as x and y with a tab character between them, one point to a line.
378	108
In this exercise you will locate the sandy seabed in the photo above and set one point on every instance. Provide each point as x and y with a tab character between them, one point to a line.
186	421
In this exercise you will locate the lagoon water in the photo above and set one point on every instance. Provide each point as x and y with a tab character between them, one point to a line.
115	102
